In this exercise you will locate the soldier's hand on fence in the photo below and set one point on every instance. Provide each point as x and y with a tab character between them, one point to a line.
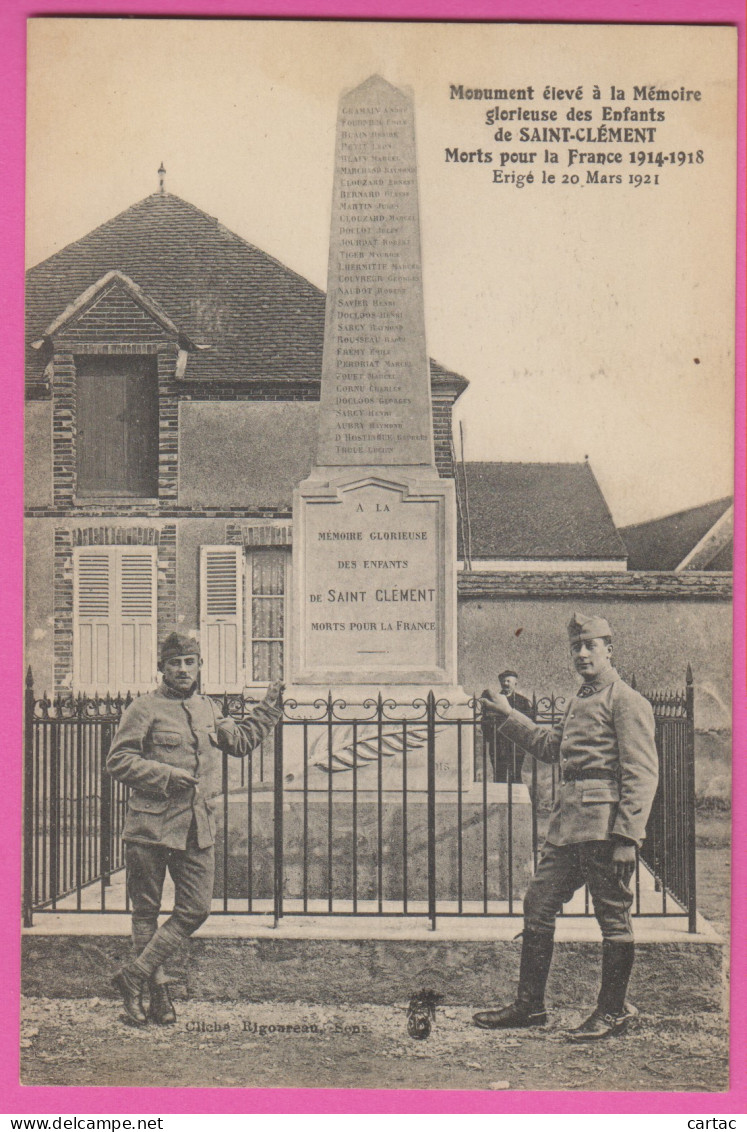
274	692
180	779
623	861
495	705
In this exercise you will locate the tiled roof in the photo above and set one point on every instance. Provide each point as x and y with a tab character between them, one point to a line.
661	544
542	511
261	319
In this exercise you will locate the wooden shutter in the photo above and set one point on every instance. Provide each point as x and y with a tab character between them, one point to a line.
136	639
114	619
93	621
221	600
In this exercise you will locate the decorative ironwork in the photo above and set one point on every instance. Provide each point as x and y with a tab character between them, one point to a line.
82	708
363	842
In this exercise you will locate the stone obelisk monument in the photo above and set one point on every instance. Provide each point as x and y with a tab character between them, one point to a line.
374	525
374	569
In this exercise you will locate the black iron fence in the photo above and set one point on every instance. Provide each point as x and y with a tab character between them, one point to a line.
381	809
669	848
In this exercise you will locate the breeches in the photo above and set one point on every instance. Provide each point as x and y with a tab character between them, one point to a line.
192	871
563	869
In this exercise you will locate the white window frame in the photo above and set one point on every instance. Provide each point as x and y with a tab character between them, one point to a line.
252	685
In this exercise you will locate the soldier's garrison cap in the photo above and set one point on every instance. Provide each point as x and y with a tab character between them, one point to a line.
177	644
584	628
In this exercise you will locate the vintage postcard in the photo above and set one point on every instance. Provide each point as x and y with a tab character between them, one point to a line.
379	539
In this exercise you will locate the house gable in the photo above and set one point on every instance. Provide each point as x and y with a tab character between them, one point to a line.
112	309
114	314
669	543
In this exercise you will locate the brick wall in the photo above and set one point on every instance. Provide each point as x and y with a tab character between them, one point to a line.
63	610
168	428
442	437
115	316
253	534
660	624
63	430
623	585
166	580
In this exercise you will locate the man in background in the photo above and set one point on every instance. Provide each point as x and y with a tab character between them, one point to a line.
505	757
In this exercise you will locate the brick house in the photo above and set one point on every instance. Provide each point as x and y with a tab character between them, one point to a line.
173	374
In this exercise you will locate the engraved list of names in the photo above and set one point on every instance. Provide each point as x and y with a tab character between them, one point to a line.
375	399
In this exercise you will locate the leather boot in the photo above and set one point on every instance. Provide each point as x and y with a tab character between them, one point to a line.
529	1007
161	1008
612	1013
129	984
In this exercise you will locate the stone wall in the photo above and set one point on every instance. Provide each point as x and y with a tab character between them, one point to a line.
661	623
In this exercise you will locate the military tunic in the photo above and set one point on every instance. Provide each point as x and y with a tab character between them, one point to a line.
609	766
608	760
164	730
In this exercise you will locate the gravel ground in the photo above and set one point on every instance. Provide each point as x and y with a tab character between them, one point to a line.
84	1042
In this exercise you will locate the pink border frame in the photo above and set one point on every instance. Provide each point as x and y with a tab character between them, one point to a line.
57	1099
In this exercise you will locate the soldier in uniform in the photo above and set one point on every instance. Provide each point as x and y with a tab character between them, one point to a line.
609	773
168	750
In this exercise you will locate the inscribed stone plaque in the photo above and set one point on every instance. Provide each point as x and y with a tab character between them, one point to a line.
375	399
375	601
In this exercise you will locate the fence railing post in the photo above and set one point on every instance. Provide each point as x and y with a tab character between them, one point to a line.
692	907
431	807
54	810
535	794
28	802
278	818
105	830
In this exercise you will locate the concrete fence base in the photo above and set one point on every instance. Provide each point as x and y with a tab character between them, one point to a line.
671	975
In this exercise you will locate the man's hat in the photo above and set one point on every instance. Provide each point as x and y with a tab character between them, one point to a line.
509	672
584	628
176	644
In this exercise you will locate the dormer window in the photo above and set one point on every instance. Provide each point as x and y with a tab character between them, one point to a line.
117	425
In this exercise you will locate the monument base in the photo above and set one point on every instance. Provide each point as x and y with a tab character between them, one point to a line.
379	847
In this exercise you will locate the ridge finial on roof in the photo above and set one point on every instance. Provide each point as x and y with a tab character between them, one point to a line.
161	177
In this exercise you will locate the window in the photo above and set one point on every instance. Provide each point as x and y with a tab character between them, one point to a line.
235	653
265	584
117	426
114	619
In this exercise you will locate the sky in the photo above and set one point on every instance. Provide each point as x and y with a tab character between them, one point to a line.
589	319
